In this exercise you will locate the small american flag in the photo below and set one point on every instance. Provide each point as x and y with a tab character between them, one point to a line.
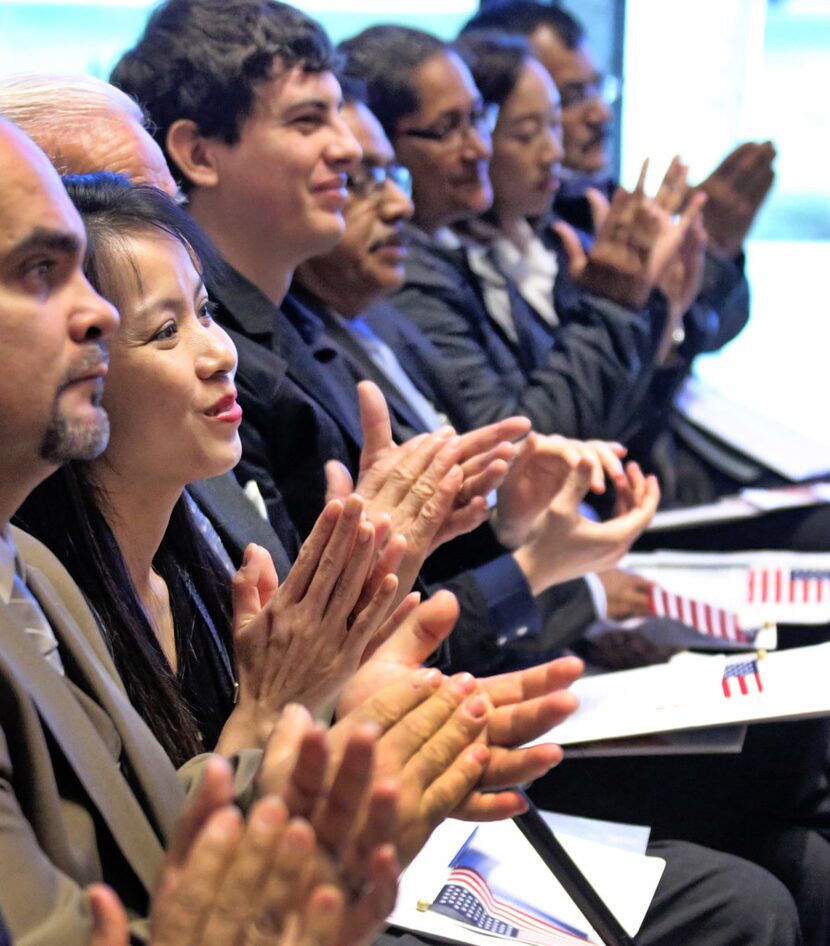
742	678
784	585
467	897
706	618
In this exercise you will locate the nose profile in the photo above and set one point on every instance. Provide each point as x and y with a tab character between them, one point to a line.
92	318
598	112
478	144
344	150
217	355
553	152
395	205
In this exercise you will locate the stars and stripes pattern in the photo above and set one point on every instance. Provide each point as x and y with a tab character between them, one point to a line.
792	586
706	618
466	896
742	678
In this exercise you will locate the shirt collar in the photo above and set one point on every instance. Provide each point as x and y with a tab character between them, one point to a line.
8	563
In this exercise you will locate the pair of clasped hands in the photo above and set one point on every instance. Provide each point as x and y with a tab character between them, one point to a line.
645	243
339	811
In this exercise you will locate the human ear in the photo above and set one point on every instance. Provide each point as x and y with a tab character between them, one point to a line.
192	153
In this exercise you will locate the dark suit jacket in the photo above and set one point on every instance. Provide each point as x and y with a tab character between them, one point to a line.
237	521
293	420
418	357
68	814
578	385
563	612
693	467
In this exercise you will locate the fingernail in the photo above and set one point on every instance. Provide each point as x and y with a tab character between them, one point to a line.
268	812
246	558
371	729
224	824
480	753
431	677
294	712
477	708
464	683
365	533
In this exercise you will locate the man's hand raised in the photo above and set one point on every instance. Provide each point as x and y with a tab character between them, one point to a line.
540	471
429	489
215	887
565	544
632	248
523	706
735	191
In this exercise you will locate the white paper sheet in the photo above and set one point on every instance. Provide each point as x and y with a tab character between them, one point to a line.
745	505
793	454
688	693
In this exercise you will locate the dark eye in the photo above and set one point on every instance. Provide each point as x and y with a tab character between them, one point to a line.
207	311
308	121
168	331
38	273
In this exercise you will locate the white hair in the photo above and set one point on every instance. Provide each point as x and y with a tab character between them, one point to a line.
45	105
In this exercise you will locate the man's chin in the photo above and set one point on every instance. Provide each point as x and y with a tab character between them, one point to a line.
596	160
74	438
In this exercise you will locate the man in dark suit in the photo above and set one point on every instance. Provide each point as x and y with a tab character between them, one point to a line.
346	287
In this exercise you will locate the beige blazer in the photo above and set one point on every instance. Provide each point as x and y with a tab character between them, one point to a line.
69	813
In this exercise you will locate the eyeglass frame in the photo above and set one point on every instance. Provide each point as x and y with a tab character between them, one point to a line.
369	179
606	88
483	118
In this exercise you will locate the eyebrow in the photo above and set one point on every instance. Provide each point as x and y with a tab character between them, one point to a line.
150	307
321	105
41	239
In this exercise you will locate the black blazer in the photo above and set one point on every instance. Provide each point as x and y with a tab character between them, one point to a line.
293	420
579	383
238	523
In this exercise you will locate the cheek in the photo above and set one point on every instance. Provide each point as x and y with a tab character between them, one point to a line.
573	131
141	401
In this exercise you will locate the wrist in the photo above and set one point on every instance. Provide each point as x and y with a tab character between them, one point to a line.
528	563
248	727
510	531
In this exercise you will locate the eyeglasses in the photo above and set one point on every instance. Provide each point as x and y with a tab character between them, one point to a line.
604	88
369	180
453	129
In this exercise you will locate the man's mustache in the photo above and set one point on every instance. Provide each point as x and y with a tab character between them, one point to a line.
90	362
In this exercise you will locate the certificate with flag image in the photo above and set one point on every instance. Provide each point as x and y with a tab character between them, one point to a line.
478	892
476	883
694	691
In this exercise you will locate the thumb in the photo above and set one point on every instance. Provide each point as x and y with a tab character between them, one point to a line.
421	633
252	586
572	246
339	483
575	488
599	205
215	791
109	919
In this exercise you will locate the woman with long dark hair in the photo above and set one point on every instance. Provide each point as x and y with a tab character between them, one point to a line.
203	659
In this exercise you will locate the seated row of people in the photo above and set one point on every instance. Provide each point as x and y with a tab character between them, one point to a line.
263	161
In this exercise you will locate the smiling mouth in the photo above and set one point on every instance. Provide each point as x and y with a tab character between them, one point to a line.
224	406
396	241
335	186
